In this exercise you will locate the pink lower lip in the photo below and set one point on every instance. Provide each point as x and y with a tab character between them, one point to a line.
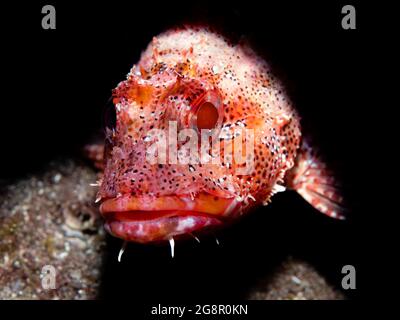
159	229
147	219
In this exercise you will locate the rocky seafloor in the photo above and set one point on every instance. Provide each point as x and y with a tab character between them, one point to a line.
50	219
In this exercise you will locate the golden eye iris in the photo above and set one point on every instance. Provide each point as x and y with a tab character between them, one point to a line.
207	116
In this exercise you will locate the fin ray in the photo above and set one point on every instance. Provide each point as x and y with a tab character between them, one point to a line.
311	178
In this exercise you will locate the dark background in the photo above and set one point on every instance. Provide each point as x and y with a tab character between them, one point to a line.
56	84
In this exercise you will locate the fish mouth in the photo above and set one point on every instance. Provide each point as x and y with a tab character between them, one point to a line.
148	219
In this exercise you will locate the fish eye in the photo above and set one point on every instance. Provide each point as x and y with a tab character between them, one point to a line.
207	113
207	116
109	116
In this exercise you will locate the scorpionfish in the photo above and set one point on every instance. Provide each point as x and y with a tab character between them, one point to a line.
196	80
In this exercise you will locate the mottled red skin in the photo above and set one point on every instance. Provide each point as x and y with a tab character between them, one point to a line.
177	69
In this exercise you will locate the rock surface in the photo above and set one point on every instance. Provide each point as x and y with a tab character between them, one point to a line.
294	280
50	219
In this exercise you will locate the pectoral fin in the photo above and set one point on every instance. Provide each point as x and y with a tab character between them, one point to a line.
95	153
311	178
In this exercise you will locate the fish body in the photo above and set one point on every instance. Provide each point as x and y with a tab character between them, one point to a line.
192	86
